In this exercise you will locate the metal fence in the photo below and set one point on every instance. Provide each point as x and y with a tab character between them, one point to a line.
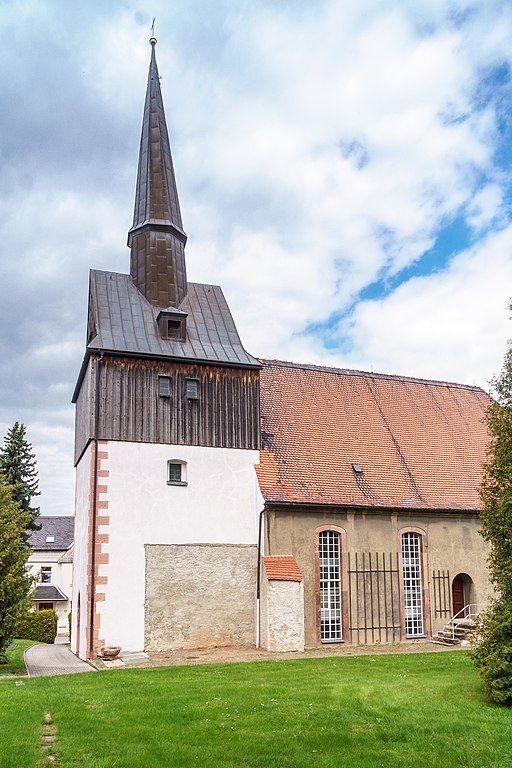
442	593
374	597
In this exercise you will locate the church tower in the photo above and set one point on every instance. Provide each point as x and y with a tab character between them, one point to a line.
166	438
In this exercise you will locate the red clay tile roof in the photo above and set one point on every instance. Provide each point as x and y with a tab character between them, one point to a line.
282	568
420	444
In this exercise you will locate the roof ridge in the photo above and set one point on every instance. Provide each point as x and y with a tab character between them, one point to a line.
368	374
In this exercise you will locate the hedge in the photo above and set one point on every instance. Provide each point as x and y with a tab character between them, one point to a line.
38	625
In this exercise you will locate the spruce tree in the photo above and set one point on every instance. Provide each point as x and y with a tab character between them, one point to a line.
18	469
15	581
493	656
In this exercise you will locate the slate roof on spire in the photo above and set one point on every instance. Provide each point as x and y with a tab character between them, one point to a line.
156	196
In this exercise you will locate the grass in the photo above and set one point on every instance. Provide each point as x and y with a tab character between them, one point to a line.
15	663
400	711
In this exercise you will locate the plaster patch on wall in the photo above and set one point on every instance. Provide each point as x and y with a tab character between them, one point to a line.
199	595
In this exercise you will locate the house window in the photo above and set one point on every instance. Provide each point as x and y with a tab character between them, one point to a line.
50	539
164	386
330	586
45	607
412	584
176	473
192	389
46	574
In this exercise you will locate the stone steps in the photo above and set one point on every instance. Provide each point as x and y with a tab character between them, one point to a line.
453	634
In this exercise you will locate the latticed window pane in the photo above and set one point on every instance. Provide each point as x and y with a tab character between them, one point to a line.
330	591
413	600
174	473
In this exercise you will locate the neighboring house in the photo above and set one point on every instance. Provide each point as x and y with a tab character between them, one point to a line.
363	501
51	562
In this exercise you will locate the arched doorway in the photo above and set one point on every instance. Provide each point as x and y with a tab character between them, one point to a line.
462	594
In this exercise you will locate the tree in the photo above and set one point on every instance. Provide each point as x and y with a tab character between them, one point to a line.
15	580
18	469
493	656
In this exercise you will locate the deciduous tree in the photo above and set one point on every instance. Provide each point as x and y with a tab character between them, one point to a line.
493	656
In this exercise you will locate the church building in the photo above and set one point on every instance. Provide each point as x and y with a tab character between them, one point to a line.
226	500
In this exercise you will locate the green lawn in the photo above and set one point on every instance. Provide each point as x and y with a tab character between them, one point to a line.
15	664
363	712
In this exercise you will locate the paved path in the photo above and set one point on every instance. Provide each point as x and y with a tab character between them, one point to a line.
44	660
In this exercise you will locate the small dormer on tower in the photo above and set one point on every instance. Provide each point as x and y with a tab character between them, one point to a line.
172	324
156	239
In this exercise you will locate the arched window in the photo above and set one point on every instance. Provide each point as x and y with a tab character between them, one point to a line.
330	548
414	589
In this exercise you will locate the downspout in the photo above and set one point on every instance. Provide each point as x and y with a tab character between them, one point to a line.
258	589
94	504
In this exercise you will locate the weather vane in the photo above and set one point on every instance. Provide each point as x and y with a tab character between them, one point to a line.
152	39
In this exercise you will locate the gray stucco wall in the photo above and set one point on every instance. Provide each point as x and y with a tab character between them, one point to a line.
199	595
453	540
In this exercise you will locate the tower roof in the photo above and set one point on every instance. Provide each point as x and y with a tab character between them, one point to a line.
157	239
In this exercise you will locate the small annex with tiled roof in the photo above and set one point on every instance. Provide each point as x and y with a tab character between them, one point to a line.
281	609
51	563
370	484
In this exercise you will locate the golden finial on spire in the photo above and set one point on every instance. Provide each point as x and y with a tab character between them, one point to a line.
152	39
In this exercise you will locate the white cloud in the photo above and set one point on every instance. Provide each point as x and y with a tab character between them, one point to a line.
451	325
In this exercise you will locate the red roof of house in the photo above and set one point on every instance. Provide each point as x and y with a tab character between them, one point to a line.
419	444
282	568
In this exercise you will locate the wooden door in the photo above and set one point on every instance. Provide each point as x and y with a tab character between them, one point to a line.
458	596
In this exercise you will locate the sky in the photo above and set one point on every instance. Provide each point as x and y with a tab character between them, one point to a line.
343	171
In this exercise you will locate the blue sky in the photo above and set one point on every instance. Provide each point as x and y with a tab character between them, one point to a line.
343	169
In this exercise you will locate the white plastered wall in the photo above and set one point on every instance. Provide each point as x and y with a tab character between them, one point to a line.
219	504
81	554
282	625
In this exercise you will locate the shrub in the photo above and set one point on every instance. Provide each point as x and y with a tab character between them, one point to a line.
69	623
38	625
493	655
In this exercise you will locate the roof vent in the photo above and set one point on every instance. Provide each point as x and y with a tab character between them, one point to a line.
50	539
357	469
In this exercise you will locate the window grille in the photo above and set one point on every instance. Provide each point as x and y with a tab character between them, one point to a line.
192	389
330	589
164	386
174	472
413	600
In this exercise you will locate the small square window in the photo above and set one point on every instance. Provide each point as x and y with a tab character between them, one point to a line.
50	539
46	574
164	386
192	389
176	473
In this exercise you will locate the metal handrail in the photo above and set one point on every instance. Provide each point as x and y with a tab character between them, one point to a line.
467	613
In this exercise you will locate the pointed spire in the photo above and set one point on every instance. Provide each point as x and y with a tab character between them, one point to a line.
156	239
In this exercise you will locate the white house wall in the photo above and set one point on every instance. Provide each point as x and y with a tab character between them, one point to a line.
61	577
219	505
81	553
